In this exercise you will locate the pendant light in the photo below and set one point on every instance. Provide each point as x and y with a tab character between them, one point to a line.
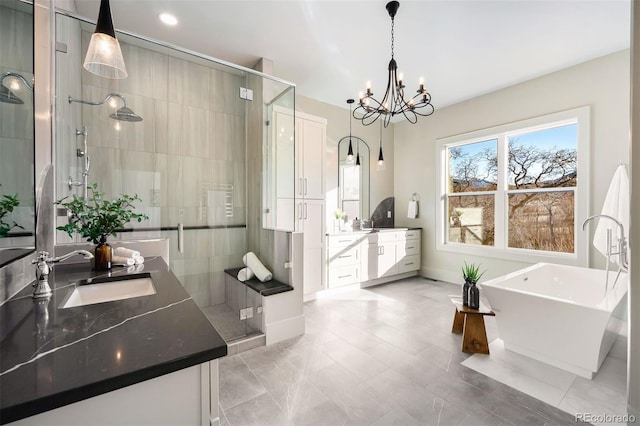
104	57
350	151
358	153
380	156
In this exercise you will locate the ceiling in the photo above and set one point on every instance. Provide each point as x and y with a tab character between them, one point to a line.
329	49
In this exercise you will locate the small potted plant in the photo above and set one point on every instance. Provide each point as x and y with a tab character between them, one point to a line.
95	218
470	293
339	215
7	204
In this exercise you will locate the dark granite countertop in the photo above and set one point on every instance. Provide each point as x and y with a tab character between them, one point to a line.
373	231
51	357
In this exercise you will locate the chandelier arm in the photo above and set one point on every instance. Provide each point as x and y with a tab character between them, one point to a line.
373	105
411	116
432	109
368	117
385	99
387	120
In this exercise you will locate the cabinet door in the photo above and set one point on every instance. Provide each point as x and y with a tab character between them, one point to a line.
312	214
299	154
381	260
313	137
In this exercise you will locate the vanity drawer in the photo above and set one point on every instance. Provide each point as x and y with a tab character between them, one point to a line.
341	256
409	263
410	234
382	237
408	248
344	275
345	240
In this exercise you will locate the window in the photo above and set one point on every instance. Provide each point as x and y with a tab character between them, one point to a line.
514	191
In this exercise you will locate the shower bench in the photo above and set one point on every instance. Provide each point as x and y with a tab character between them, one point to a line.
266	288
470	323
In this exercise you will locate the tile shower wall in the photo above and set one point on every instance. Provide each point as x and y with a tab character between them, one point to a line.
16	129
186	159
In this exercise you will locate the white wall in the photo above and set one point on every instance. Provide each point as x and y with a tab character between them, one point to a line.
603	83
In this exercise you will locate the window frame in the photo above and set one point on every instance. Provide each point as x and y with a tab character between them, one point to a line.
500	250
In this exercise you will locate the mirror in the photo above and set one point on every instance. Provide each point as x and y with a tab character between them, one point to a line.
17	147
353	180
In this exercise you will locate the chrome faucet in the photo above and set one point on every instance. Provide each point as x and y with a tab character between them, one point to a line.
44	265
619	249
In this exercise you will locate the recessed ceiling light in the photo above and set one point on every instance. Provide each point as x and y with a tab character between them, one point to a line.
168	19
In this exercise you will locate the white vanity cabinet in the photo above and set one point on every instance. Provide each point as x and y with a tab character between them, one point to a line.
372	258
344	257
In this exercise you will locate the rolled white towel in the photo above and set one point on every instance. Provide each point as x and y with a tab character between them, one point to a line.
252	261
125	252
245	274
139	260
122	261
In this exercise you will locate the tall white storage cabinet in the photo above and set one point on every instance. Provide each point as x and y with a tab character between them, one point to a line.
311	135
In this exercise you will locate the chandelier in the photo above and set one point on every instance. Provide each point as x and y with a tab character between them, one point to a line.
393	103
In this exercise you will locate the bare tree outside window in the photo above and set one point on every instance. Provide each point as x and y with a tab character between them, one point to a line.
540	190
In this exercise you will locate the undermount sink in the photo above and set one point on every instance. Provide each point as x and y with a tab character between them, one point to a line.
108	289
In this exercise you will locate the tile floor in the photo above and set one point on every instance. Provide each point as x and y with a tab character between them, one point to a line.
378	356
604	395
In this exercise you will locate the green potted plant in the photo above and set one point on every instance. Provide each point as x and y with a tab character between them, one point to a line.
7	204
471	274
95	218
339	215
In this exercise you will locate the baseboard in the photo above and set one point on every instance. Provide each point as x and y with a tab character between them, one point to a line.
388	279
284	329
453	277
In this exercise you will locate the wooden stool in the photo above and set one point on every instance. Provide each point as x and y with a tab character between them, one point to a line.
470	323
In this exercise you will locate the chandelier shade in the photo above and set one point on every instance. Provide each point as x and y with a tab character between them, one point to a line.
104	56
380	156
393	102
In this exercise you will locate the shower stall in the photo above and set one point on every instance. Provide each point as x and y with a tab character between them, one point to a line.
192	152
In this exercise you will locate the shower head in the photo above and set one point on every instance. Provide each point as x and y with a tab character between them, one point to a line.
6	95
123	114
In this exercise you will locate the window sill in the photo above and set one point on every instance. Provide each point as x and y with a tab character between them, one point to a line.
518	255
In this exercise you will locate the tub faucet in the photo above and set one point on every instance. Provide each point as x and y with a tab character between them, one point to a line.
44	264
619	249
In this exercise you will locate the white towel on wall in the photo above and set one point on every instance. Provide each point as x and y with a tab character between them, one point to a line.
616	204
412	209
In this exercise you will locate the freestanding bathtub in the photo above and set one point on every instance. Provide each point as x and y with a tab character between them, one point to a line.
559	315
